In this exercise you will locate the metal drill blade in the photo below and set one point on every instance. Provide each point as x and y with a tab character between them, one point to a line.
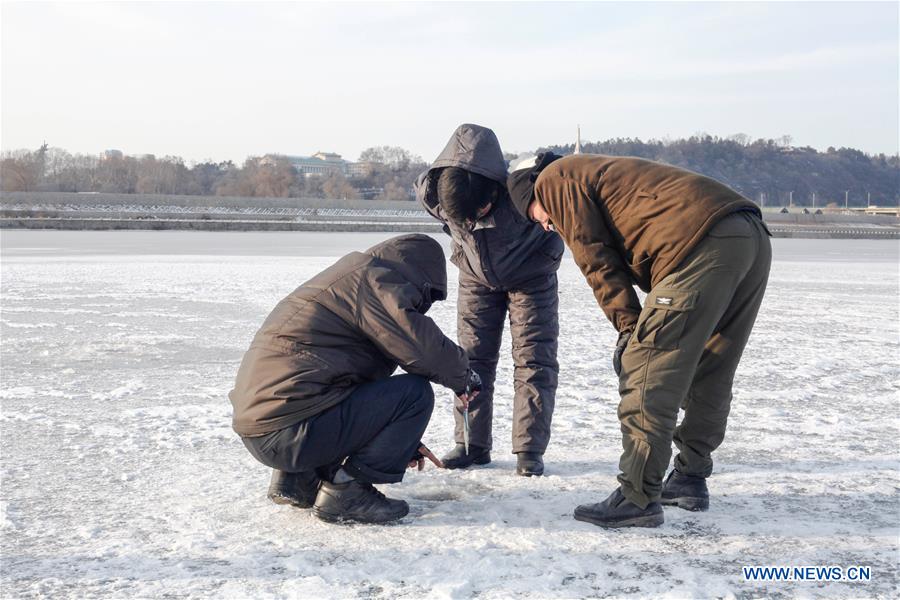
466	428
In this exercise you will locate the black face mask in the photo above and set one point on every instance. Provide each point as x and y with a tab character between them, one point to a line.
430	295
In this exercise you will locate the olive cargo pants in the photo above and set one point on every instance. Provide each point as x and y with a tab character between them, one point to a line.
533	309
684	352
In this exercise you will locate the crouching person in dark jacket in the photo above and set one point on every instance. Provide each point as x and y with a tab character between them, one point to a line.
314	397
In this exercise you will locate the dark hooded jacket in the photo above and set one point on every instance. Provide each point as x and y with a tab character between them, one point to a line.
629	221
505	248
353	323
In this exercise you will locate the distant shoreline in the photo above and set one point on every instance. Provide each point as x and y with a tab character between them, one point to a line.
832	231
118	212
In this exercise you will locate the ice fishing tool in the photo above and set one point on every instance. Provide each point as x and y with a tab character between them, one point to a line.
466	428
473	384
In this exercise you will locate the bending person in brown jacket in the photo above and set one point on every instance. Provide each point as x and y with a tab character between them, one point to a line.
314	397
701	252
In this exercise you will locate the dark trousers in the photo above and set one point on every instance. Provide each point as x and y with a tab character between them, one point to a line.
372	434
533	309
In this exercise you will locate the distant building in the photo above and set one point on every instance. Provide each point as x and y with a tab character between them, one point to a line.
323	164
796	150
320	164
119	155
360	169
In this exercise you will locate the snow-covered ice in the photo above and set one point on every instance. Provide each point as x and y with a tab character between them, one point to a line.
122	478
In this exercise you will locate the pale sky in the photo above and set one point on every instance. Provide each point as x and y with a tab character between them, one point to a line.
227	80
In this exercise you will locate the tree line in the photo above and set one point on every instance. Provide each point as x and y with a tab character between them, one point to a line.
384	173
771	172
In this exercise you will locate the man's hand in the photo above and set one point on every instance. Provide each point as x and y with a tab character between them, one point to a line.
620	349
418	460
473	387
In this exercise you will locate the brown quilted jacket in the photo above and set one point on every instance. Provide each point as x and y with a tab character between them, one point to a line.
630	221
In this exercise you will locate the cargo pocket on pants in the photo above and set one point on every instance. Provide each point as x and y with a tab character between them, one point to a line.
664	317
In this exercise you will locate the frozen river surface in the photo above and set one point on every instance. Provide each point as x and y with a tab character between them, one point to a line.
122	478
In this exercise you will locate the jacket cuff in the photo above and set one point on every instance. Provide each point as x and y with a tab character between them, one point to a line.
458	384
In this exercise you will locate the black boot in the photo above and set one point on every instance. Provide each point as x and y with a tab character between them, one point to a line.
458	459
617	511
529	463
296	489
356	501
685	491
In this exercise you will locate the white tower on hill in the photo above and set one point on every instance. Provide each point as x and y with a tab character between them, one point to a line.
578	142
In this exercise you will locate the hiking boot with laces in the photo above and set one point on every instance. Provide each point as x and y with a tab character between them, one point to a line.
356	501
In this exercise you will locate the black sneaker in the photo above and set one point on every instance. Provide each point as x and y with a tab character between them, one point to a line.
685	491
529	463
296	489
356	501
617	511
458	459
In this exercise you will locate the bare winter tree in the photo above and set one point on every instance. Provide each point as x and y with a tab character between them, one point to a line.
206	176
274	177
336	187
57	168
269	176
117	174
83	177
391	170
23	171
239	182
394	190
741	138
394	157
167	175
16	173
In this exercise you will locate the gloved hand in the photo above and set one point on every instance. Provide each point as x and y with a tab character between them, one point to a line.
473	383
473	387
620	349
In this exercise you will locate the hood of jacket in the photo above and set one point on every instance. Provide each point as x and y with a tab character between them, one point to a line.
476	149
420	259
503	249
471	147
